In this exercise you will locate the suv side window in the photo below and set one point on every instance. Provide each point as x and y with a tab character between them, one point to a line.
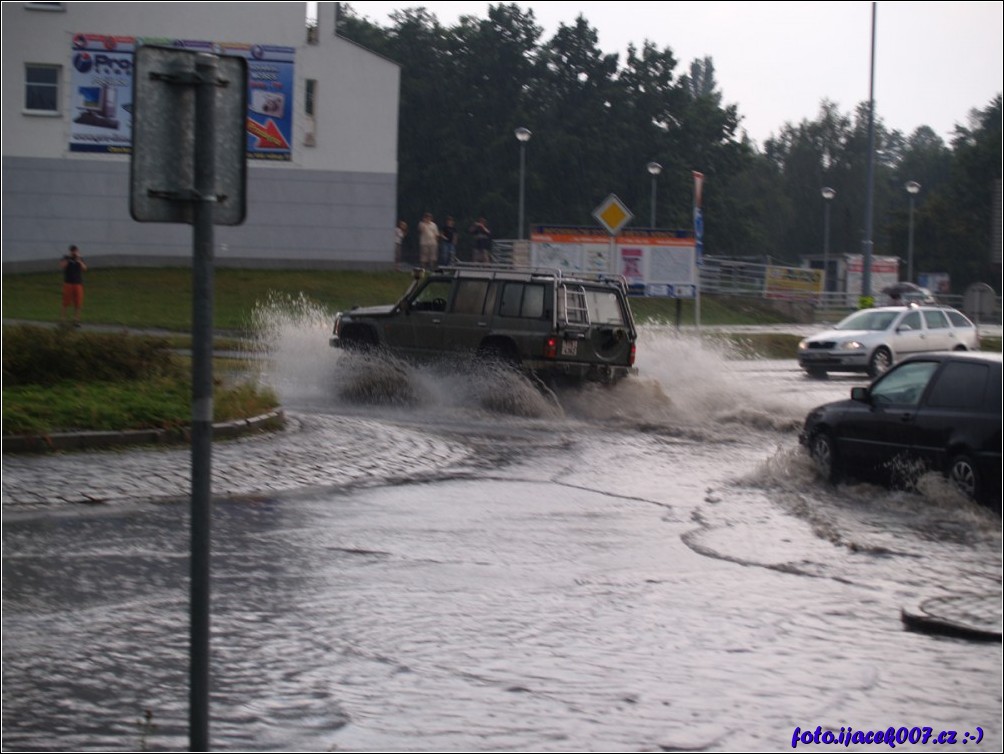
470	297
524	300
959	385
433	296
935	319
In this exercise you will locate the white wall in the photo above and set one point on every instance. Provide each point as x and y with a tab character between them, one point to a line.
357	102
333	203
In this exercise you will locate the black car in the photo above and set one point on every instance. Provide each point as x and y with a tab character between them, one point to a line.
931	411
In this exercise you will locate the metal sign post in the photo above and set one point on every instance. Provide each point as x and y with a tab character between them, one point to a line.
613	215
189	166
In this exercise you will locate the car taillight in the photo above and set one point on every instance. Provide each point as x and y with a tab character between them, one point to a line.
551	348
632	355
338	325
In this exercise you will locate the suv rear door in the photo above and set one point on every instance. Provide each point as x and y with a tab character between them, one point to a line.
596	324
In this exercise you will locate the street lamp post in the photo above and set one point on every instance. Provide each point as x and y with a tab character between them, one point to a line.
828	195
654	168
522	136
912	188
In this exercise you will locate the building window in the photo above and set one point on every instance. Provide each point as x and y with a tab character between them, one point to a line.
41	88
311	93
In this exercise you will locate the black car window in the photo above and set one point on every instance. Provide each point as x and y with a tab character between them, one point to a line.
935	319
992	402
958	319
904	385
959	385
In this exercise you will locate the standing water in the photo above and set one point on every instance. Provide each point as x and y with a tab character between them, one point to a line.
653	565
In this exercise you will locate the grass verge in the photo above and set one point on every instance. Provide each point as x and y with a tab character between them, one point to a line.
65	381
162	297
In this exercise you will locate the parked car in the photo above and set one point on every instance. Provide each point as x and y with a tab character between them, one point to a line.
938	411
872	340
541	321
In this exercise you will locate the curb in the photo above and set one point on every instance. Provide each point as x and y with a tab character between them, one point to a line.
104	440
975	617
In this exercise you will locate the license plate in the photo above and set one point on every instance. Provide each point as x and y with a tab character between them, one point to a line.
569	347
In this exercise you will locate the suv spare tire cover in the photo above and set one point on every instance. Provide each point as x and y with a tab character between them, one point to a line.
608	341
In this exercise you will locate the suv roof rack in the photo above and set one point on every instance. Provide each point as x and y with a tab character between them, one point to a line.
556	273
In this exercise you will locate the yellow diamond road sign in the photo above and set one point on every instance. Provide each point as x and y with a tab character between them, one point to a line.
612	214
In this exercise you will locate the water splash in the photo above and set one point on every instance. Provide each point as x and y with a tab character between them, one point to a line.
293	333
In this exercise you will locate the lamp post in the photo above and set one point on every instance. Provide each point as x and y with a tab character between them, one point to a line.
828	195
912	188
522	136
654	168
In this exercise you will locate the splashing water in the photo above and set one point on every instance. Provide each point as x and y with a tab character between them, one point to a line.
685	383
303	368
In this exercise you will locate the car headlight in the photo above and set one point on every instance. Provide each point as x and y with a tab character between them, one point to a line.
803	345
852	345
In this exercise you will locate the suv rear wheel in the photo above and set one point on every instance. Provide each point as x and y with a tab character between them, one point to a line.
500	352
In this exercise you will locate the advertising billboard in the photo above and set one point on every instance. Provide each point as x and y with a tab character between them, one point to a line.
101	92
654	262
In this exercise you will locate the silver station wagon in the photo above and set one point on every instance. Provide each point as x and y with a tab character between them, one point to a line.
872	340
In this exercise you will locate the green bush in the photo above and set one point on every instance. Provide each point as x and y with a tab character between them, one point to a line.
48	356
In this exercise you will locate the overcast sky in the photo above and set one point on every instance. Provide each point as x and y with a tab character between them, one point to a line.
934	61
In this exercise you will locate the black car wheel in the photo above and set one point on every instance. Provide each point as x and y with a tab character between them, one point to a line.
823	450
963	475
880	362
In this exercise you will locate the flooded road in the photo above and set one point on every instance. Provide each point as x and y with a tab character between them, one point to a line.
652	567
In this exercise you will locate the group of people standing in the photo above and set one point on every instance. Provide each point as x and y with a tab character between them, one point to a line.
439	245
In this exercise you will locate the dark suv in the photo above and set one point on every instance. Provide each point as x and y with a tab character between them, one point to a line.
932	411
538	320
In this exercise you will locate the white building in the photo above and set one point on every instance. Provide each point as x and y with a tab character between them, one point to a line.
322	136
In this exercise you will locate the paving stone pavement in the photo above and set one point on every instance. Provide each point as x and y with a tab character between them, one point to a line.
313	451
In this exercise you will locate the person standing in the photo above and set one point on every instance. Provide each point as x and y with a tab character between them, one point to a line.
73	268
448	242
482	241
428	241
399	233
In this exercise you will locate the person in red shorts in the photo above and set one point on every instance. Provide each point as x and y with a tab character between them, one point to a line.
73	268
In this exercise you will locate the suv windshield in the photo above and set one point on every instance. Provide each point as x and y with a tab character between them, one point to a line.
867	320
